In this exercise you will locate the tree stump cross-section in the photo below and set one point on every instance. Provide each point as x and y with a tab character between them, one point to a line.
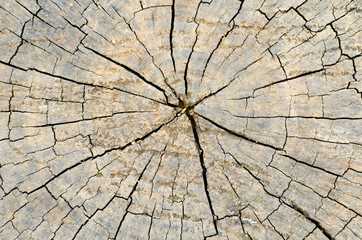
180	119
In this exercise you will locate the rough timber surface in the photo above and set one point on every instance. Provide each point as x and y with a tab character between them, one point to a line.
180	119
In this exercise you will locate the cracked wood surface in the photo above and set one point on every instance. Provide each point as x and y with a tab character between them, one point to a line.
172	119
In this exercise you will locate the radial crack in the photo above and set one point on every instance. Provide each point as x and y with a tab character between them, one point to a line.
171	33
204	170
237	134
129	70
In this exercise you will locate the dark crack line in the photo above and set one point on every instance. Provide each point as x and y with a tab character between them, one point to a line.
231	185
238	134
83	119
325	141
306	215
10	108
289	117
36	14
171	33
234	49
346	226
129	70
344	205
293	206
263	28
152	57
214	50
154	175
263	13
150	227
130	197
279	233
188	62
226	85
288	79
91	216
282	66
204	170
21	41
86	84
310	233
7	11
310	165
150	7
192	49
222	38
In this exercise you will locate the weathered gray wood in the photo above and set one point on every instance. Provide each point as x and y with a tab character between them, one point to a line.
175	119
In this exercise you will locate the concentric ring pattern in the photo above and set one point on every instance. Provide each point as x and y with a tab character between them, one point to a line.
175	119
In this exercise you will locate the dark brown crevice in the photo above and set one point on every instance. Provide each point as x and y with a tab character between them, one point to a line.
171	33
238	134
292	206
226	85
36	14
203	167
21	42
86	84
152	57
288	79
232	20
83	119
192	49
346	226
326	141
91	216
128	69
150	228
311	165
291	117
187	64
310	233
130	197
315	222
275	230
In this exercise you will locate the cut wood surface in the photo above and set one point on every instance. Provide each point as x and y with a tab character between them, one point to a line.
180	119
